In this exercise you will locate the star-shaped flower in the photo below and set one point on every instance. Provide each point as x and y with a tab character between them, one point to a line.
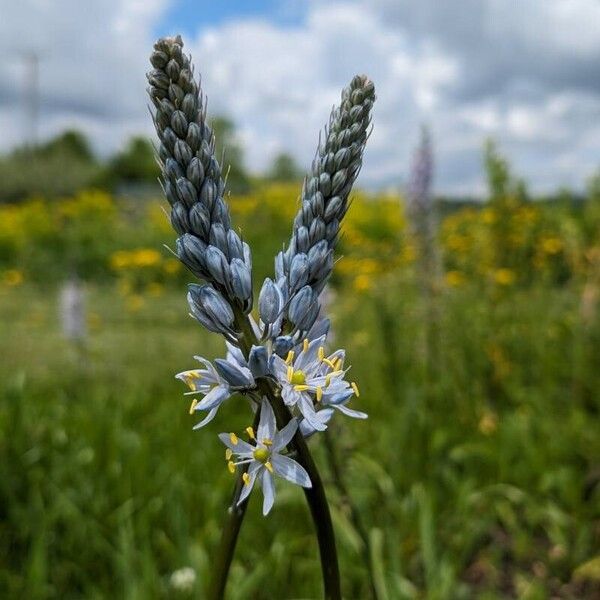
217	384
308	377
264	458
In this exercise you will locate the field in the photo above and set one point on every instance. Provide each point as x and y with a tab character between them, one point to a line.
477	473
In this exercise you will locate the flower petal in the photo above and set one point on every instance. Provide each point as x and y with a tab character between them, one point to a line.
324	416
289	469
216	396
309	359
247	487
282	438
355	414
266	425
268	489
241	447
209	417
308	412
279	367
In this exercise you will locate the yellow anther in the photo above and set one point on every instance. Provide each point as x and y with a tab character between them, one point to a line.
290	374
327	380
193	405
339	363
319	393
231	467
267	442
269	466
192	385
250	433
228	454
301	388
246	478
329	363
290	357
298	377
321	353
261	455
305	345
355	388
233	438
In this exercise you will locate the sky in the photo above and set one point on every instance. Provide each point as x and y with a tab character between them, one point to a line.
525	72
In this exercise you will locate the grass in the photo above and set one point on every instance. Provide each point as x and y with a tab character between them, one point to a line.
477	473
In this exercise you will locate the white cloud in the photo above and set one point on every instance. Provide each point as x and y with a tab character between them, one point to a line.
526	74
92	60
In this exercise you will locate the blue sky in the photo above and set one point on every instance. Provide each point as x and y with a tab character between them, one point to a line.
524	73
190	16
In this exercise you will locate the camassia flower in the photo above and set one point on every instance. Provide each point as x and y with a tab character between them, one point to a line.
216	383
309	377
264	457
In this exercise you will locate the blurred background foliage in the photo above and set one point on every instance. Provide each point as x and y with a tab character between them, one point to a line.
477	473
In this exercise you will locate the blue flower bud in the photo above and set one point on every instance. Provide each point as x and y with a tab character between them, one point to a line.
304	308
199	220
298	272
247	255
216	264
218	238
235	375
207	302
241	280
191	251
234	245
282	345
270	302
258	361
186	191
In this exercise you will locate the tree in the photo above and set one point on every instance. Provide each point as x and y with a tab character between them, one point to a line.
231	155
284	168
135	163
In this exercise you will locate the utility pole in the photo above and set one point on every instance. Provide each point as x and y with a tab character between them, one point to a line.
32	97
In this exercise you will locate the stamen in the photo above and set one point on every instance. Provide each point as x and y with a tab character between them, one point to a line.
319	393
193	405
250	433
233	438
290	373
301	387
246	478
231	467
305	345
338	364
327	380
321	353
290	357
228	454
329	363
355	388
267	442
269	466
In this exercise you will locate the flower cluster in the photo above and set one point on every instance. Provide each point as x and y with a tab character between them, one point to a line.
278	361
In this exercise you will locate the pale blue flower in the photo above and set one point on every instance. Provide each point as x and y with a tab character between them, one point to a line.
264	458
307	378
215	384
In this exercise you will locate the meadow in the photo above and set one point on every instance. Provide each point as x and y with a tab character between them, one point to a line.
477	474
